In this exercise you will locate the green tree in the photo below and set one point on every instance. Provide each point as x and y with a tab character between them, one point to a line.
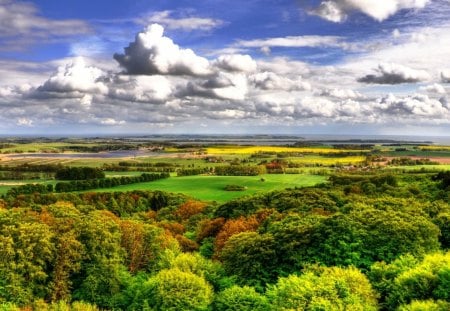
325	289
425	305
26	253
241	299
172	289
252	257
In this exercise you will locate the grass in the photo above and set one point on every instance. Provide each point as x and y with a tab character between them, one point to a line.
211	188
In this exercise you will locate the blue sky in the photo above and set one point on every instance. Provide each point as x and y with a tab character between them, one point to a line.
257	66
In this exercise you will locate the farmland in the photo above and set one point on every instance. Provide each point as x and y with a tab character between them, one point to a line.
103	225
211	188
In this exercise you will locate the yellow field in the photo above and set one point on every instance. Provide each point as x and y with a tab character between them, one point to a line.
273	149
329	161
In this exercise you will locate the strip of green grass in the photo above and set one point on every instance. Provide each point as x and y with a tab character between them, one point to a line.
211	188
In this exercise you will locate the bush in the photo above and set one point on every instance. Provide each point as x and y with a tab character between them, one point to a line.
174	289
234	188
330	289
241	299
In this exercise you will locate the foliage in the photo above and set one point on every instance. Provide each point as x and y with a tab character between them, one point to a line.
79	173
407	279
326	289
428	305
238	298
177	290
251	257
239	170
81	185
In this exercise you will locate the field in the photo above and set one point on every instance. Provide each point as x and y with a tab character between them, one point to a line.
210	188
306	166
273	149
328	161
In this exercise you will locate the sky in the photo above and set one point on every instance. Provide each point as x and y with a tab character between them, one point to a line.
354	67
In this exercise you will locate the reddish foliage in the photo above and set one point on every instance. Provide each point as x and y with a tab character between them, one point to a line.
190	208
209	228
232	227
174	228
186	244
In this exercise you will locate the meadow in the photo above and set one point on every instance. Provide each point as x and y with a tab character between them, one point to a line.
211	188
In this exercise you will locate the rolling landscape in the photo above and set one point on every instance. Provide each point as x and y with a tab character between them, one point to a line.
266	155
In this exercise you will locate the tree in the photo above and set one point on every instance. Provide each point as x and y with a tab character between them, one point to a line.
176	290
240	299
252	258
26	254
428	305
325	289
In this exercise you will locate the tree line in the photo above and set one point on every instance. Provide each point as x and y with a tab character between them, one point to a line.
317	248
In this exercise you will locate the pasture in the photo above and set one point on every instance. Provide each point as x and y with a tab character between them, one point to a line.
211	188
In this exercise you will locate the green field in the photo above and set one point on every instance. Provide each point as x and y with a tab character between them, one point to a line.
210	188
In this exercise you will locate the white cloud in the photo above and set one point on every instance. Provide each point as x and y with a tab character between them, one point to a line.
434	88
271	81
189	23
111	121
390	73
338	10
22	25
75	77
153	53
236	62
417	105
292	41
6	91
232	86
445	76
148	89
341	93
24	122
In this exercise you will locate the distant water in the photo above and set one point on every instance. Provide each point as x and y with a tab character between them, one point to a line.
439	140
292	139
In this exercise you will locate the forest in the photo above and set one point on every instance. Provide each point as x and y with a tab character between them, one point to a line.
363	239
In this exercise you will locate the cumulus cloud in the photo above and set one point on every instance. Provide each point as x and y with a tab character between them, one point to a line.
221	86
341	93
434	88
445	76
153	53
272	81
338	10
417	105
395	74
140	88
236	62
189	23
75	77
21	25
